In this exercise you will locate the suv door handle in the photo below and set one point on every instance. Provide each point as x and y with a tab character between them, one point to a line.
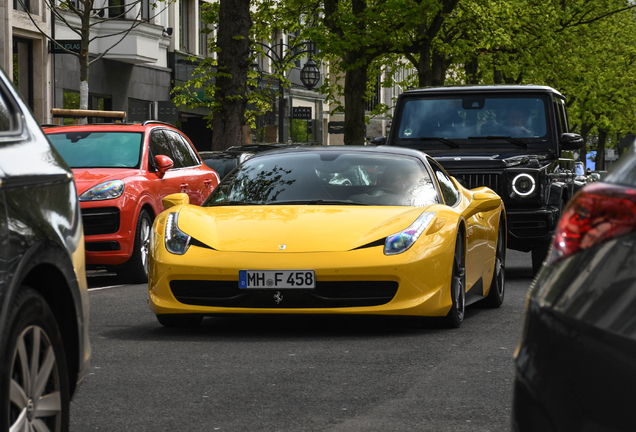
184	187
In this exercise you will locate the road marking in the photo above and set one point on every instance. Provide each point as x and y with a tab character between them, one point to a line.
106	287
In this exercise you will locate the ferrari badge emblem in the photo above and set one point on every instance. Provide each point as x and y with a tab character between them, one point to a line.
282	247
278	297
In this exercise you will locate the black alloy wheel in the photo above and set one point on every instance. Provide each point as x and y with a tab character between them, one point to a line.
455	316
135	270
496	294
34	392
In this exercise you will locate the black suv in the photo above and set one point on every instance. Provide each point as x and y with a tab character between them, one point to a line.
509	138
44	346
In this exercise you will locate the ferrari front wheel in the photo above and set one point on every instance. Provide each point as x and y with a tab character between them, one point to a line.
455	316
496	294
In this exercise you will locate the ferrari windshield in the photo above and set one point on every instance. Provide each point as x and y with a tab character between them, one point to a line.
472	117
86	149
328	178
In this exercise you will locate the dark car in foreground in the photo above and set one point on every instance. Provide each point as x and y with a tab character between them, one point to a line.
575	364
44	347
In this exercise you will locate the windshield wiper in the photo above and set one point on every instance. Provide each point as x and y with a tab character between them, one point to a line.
510	139
448	142
232	203
317	202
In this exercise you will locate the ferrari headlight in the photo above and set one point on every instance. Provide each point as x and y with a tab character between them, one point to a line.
402	241
177	242
523	184
104	191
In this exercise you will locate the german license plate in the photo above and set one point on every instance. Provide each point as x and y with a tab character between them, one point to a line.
276	279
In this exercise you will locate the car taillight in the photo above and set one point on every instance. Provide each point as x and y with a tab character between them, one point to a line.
597	213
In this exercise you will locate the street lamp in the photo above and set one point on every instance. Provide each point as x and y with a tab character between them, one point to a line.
309	74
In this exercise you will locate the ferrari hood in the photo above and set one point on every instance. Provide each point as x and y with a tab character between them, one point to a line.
298	228
87	178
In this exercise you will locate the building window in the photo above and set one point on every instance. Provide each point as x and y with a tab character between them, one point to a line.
205	33
116	8
71	100
145	10
184	25
101	103
22	5
23	69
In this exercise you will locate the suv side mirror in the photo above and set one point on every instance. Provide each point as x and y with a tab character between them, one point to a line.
163	163
571	141
381	140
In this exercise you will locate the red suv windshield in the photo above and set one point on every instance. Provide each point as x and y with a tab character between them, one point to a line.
86	149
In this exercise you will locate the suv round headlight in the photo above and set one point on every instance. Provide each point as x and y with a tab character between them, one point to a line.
523	184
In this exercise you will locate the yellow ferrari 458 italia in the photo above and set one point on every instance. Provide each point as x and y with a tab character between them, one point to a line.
329	230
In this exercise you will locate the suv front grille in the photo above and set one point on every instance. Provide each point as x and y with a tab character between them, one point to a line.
100	220
325	295
471	181
529	225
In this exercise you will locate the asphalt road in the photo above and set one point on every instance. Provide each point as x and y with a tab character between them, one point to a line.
264	373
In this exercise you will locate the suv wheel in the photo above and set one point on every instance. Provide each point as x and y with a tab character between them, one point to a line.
136	268
539	254
34	391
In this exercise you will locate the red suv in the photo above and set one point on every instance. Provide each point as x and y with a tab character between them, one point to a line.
122	173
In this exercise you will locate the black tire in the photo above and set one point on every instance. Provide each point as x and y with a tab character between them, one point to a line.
135	270
180	320
539	254
496	293
455	316
32	340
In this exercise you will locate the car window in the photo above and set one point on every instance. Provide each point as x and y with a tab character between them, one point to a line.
183	156
342	177
193	154
98	149
449	191
5	115
221	166
473	116
159	146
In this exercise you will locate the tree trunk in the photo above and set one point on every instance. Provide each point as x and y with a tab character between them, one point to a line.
84	59
600	150
424	74
438	68
234	44
355	86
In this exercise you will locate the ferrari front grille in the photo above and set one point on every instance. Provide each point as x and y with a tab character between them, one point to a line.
100	220
326	294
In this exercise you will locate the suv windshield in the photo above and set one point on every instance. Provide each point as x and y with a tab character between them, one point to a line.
343	178
473	117
86	149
